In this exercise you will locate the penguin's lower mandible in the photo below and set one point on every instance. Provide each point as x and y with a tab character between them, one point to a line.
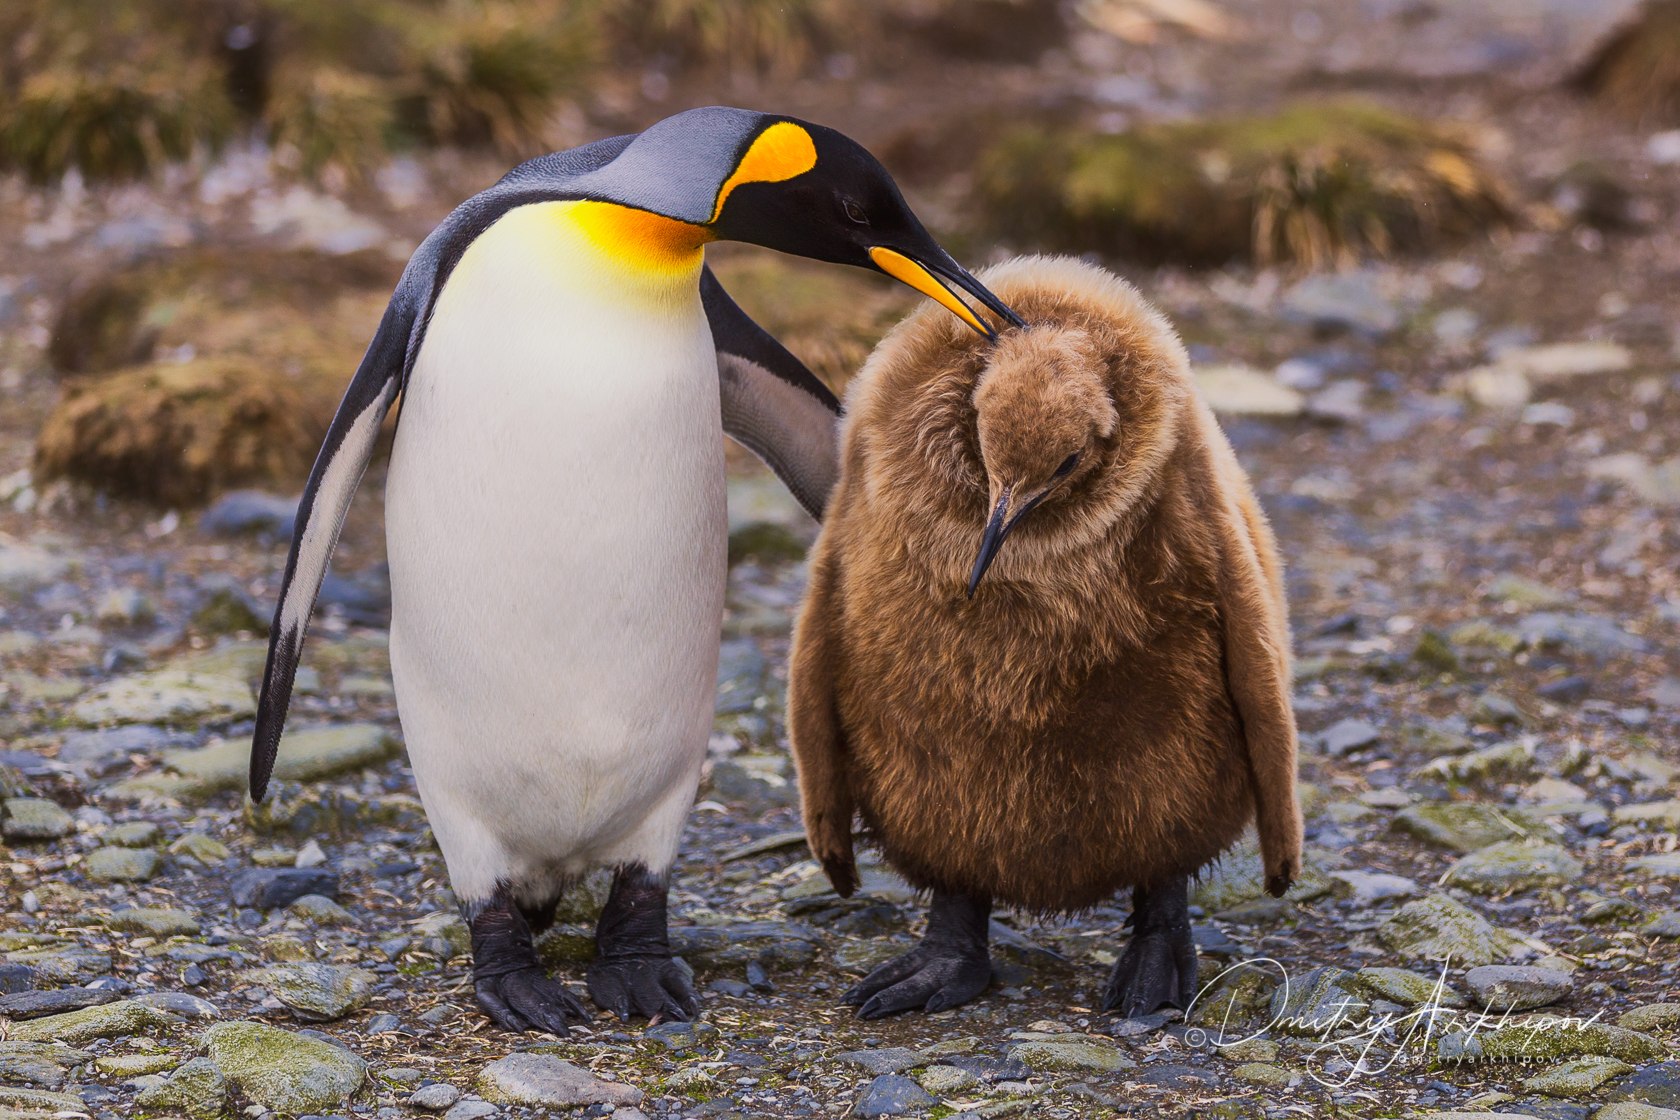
1044	653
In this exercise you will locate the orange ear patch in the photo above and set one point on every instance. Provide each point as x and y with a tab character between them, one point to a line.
780	152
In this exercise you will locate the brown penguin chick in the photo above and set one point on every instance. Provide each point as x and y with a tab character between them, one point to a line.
1099	698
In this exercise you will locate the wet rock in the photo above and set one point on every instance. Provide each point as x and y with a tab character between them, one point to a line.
121	865
1070	1053
197	1089
15	978
250	513
1316	1003
166	696
284	1071
1439	927
316	992
106	1021
1342	301
1239	390
41	1064
269	888
1517	987
436	1097
1513	865
154	922
52	1001
892	1095
1576	1078
1466	826
306	755
544	1081
26	819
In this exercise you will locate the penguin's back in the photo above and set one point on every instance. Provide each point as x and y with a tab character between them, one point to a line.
555	514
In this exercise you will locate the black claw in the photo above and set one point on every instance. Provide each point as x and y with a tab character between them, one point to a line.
511	986
1158	967
634	973
949	967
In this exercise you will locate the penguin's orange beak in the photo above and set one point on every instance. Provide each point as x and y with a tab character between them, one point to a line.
940	281
1003	519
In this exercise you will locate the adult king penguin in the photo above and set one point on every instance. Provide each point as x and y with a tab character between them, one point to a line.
555	511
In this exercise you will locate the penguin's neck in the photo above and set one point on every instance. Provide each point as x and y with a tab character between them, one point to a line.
593	251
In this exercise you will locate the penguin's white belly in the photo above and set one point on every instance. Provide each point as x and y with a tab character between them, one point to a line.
556	525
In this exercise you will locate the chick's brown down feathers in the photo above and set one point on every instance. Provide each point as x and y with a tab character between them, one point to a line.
1111	708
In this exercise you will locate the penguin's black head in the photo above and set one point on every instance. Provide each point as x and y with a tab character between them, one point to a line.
807	190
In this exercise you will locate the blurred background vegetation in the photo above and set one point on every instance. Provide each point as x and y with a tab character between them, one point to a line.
992	112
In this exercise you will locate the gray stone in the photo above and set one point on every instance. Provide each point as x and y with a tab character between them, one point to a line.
472	1108
134	834
108	1021
39	1064
1467	826
882	1060
892	1095
121	865
1658	1084
1665	865
544	1081
1629	1110
736	944
1410	989
1591	634
1238	877
82	747
1663	816
682	1036
25	819
1070	1053
179	1003
38	1104
1439	927
1318	1002
322	911
313	991
284	1071
306	755
1651	1017
250	513
436	1097
943	1081
197	1088
268	888
154	921
1342	301
52	1001
166	696
1365	888
198	846
1518	987
24	568
1664	924
1514	865
1576	1078
1346	736
124	606
225	607
15	978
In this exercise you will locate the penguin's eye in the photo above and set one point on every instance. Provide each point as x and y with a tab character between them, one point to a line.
854	212
1067	466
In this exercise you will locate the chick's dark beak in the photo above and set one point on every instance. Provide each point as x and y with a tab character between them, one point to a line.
1003	521
940	278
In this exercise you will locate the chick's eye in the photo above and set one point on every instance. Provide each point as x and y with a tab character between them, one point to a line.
854	212
1067	466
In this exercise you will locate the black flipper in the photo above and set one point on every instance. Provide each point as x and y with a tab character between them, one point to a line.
339	466
772	404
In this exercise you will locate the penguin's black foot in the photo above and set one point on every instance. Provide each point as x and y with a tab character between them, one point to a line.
529	1000
510	984
950	967
1158	967
634	972
655	988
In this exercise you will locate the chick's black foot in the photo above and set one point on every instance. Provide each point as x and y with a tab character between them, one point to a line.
634	972
950	966
1158	967
511	986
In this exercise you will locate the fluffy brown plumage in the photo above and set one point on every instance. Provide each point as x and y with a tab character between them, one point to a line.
1111	707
